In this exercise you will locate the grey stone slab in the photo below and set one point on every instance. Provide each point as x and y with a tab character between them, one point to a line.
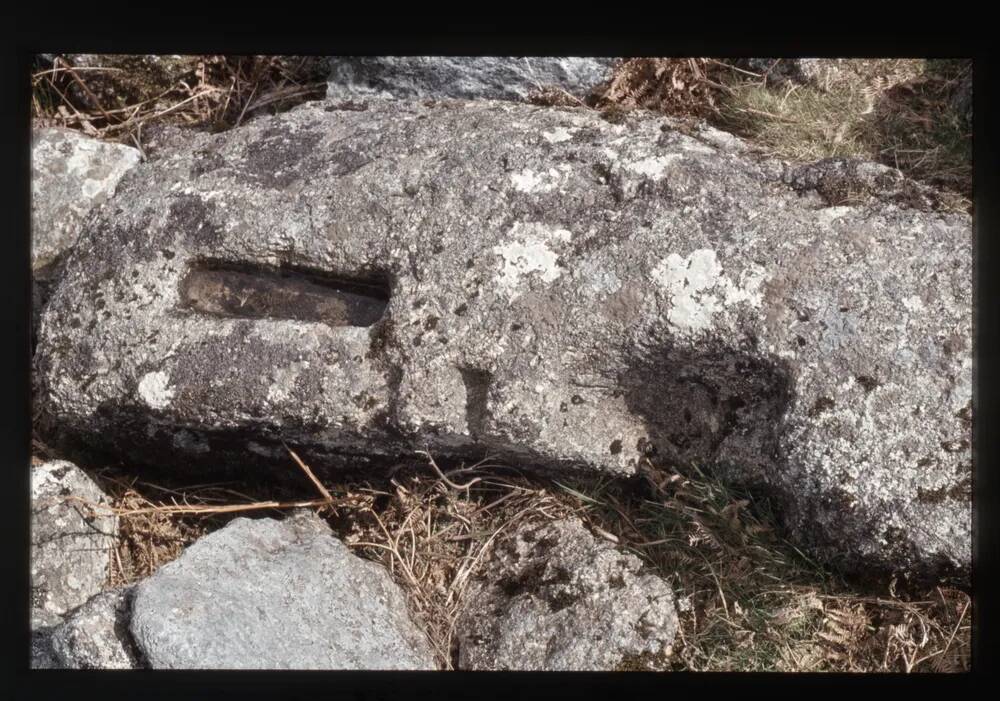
266	594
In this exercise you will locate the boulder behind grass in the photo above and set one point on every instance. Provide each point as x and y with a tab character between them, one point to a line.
466	77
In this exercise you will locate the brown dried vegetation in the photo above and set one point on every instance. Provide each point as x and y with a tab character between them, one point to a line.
747	599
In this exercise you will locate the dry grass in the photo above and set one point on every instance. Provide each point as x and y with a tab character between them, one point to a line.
894	111
898	112
115	100
748	600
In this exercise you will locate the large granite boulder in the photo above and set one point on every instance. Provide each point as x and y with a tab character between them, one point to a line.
466	77
555	598
369	279
266	594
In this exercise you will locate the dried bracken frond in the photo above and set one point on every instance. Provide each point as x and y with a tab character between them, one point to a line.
675	86
747	600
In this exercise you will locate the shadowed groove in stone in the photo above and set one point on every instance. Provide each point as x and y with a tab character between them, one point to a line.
258	292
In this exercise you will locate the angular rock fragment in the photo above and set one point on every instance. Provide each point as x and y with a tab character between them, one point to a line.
466	77
71	545
540	284
70	175
555	598
266	594
96	635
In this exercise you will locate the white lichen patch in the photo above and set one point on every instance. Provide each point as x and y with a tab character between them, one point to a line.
653	167
694	146
284	381
828	215
530	252
747	291
913	303
531	181
698	289
155	389
91	161
558	135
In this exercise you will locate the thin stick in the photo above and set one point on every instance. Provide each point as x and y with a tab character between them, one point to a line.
444	477
734	68
955	630
309	473
90	93
102	69
190	509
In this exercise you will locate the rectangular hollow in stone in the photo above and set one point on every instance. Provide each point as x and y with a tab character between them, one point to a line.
259	292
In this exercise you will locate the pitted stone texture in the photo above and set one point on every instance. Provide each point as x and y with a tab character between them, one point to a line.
71	547
849	181
266	594
42	624
96	636
70	174
564	292
555	598
466	77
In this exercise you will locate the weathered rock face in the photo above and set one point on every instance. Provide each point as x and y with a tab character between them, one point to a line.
548	286
555	598
42	625
265	594
71	549
70	175
96	636
466	77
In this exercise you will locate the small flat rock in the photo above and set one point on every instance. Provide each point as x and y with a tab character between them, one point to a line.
96	636
267	594
71	548
555	598
465	77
